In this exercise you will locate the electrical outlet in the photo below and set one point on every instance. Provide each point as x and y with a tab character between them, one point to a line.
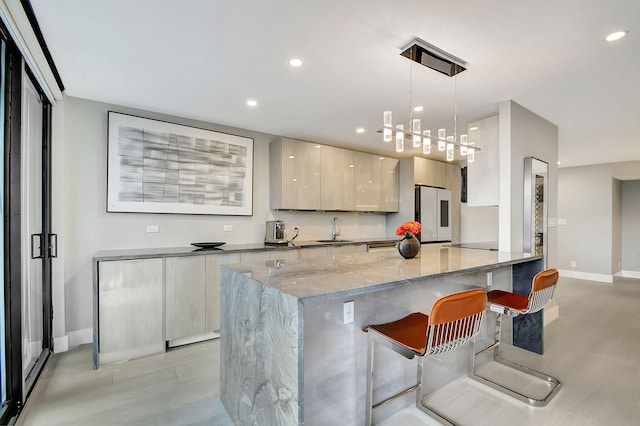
153	228
349	308
228	228
573	264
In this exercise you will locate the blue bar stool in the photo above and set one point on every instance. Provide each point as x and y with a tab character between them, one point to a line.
454	320
512	305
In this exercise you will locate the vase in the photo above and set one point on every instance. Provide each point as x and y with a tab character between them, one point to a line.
409	247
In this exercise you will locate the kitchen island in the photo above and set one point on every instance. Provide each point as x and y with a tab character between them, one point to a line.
291	355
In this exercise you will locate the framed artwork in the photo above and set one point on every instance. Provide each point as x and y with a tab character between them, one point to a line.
160	167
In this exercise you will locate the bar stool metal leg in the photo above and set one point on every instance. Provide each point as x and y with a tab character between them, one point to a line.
495	347
513	304
454	320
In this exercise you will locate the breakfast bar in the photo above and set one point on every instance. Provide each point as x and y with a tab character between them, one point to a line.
292	349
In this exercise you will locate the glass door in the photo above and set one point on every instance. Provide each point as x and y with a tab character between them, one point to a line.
33	236
26	230
3	352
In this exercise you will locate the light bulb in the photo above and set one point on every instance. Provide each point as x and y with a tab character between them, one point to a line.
426	142
416	129
442	134
463	144
399	138
450	151
386	132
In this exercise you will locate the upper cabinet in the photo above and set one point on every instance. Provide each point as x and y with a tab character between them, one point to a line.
309	176
336	179
376	183
295	175
483	175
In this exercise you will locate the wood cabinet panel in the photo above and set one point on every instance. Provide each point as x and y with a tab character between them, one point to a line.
185	296
212	287
130	308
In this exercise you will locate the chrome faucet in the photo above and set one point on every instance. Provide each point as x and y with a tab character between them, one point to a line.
334	232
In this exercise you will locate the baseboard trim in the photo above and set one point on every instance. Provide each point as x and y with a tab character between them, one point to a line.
60	344
630	274
80	337
586	276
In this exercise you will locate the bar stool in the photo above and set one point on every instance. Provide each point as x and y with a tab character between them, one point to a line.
454	320
512	305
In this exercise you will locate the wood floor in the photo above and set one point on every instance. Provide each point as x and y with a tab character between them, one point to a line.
593	348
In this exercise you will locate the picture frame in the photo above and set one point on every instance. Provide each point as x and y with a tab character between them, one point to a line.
159	167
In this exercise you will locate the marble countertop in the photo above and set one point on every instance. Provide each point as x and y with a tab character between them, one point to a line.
140	253
337	276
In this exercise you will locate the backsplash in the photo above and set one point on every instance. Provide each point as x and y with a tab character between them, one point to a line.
317	225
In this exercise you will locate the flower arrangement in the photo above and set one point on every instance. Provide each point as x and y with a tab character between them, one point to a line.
409	229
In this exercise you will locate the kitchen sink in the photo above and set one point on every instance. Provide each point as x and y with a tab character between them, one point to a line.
333	241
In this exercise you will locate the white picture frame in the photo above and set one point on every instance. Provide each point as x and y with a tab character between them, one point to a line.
160	167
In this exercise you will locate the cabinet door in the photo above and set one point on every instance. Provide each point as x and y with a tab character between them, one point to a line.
185	296
483	174
336	187
300	162
130	305
389	184
367	180
212	289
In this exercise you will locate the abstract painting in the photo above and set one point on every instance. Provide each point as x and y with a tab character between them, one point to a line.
160	167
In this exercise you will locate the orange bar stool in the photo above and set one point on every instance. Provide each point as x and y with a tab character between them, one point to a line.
512	305
454	320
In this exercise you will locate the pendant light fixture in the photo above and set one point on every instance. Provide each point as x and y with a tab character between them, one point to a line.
432	57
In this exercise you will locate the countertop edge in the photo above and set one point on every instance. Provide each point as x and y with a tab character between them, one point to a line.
146	253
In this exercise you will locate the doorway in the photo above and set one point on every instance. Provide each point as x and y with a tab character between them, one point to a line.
27	240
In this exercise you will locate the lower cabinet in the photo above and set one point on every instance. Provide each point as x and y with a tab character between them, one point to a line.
185	288
212	287
192	298
142	304
130	321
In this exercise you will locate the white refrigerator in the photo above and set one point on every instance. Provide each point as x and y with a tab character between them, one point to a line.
433	211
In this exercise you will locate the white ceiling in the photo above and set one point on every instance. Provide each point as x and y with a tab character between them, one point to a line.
203	59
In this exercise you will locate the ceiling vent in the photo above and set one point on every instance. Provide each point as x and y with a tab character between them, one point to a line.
433	57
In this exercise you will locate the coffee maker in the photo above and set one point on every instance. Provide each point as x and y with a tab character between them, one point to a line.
274	232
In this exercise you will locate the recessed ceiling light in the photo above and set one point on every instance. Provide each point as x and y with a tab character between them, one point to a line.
360	130
295	62
473	128
616	35
252	103
418	108
559	163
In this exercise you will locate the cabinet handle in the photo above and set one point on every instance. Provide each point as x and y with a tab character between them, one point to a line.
53	245
36	239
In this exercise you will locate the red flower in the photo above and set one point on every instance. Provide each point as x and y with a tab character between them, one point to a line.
409	229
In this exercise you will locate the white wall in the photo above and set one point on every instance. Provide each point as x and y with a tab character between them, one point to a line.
479	224
524	134
616	226
630	212
585	203
601	215
88	228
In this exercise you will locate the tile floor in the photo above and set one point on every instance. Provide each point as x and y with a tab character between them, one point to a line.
593	348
